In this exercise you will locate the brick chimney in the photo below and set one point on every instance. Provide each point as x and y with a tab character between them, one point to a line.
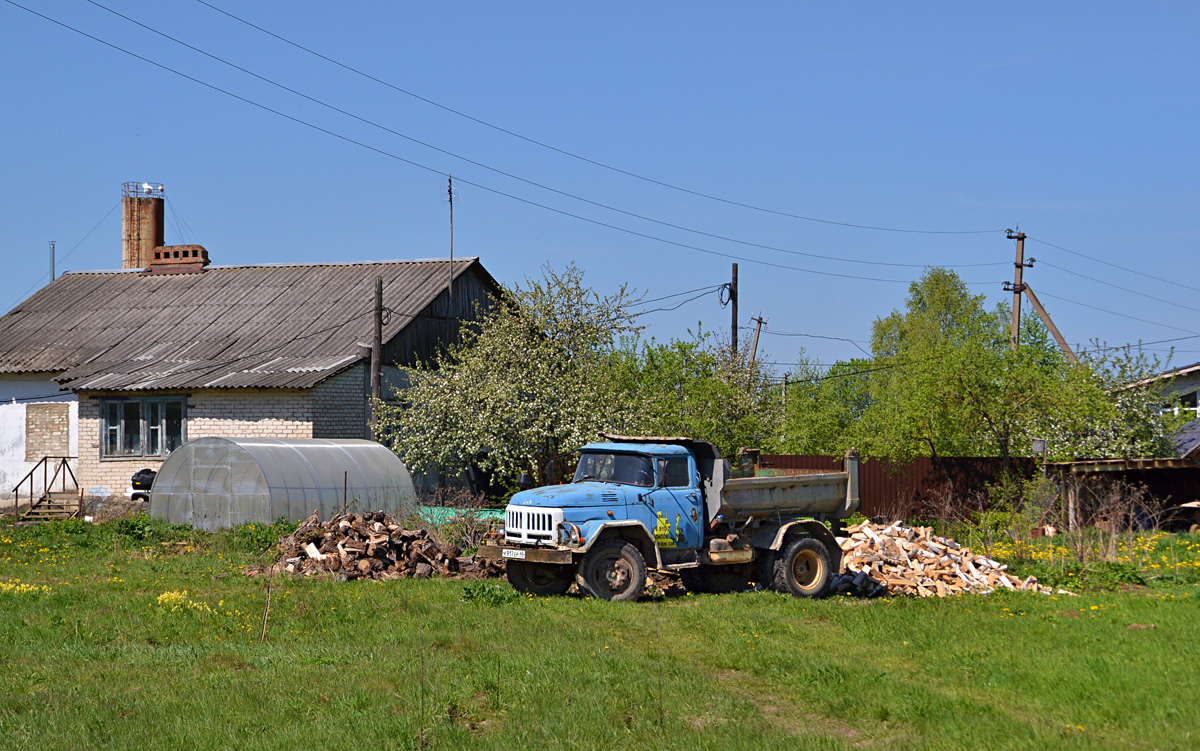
142	234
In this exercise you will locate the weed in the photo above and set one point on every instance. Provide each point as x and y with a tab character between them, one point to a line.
488	593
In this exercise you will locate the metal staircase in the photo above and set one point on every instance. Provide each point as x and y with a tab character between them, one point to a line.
59	495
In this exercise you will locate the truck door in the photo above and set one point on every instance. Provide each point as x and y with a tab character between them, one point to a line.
676	501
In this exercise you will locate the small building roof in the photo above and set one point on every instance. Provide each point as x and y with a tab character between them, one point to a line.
266	326
1187	440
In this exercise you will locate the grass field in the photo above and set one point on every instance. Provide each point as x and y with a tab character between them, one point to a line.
111	639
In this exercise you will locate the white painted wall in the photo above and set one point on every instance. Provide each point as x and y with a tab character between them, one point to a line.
16	391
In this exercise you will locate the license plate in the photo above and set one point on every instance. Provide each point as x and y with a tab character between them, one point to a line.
508	553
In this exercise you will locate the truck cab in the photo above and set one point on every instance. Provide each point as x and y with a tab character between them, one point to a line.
638	503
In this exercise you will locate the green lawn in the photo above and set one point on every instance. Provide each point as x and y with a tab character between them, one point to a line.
140	645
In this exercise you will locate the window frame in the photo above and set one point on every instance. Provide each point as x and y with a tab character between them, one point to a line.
145	429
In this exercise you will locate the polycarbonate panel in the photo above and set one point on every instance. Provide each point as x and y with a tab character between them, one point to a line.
214	483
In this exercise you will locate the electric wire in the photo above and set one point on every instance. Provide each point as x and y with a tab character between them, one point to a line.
579	157
1117	286
1114	265
438	172
66	255
675	306
513	176
1115	313
816	336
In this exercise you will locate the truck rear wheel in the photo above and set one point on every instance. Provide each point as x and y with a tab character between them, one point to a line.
803	568
539	578
613	570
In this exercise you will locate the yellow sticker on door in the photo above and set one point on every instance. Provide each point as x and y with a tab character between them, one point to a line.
662	532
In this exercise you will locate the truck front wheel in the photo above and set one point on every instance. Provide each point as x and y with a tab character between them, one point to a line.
613	570
539	578
803	568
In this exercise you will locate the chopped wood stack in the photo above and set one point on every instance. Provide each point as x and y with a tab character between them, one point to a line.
372	545
913	561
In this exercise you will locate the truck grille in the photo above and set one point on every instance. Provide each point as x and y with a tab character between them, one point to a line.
531	525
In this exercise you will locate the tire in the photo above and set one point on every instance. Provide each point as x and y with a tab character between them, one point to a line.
539	578
717	580
613	570
1194	529
803	568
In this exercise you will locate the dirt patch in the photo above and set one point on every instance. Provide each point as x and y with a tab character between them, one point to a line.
1140	626
114	507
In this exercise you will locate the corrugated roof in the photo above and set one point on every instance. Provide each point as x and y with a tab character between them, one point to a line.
1187	440
269	326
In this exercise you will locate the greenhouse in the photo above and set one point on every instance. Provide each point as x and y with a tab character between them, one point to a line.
212	483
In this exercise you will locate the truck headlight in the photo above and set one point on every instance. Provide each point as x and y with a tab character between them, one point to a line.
569	534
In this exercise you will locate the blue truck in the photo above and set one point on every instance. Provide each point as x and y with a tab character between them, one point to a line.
674	504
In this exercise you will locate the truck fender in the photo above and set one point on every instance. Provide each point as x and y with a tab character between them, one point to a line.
633	531
772	536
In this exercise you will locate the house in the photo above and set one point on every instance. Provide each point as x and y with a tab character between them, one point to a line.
1180	390
116	369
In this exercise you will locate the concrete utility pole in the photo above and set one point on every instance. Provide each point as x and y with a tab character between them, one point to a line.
1058	337
51	260
733	303
1018	287
377	350
450	194
757	330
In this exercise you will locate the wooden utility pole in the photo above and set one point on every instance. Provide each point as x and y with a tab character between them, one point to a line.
377	350
450	194
1018	287
757	330
51	260
733	303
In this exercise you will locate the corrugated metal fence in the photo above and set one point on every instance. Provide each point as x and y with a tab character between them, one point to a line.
919	488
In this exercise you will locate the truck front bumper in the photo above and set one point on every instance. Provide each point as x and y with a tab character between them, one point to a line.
529	555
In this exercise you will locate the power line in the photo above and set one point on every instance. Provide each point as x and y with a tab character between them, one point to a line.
1116	266
481	186
821	336
573	155
64	257
1117	286
677	305
1115	313
510	175
709	288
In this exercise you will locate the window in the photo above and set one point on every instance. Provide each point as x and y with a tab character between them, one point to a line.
677	472
627	469
141	427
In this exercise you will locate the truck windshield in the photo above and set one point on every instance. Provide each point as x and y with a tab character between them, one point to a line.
627	469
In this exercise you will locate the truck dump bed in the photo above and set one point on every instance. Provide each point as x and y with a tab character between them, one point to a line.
799	494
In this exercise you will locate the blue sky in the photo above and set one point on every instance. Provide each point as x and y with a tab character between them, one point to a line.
1075	122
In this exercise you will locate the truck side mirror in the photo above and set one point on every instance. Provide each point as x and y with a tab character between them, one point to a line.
661	475
525	481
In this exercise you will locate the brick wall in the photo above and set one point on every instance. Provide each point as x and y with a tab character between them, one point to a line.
340	405
235	413
47	430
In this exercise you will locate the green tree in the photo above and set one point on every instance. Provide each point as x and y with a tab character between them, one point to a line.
824	408
698	388
529	381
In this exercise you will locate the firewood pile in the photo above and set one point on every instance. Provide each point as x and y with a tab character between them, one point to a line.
897	559
371	545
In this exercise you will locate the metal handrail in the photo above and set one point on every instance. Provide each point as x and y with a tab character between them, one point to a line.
62	462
